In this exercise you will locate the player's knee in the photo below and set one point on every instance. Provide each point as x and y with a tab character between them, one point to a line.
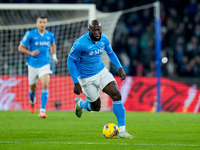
33	88
44	86
96	108
116	96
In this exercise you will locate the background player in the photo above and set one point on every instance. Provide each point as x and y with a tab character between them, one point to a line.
89	74
37	43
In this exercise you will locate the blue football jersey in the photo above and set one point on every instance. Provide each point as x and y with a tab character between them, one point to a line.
88	53
33	40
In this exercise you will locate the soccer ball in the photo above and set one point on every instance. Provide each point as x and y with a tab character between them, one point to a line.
110	131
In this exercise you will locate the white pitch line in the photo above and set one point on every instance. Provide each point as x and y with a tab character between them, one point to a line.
89	143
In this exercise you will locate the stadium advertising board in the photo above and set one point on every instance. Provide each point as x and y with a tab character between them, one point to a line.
139	94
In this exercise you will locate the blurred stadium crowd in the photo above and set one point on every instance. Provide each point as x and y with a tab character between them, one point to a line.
134	41
134	37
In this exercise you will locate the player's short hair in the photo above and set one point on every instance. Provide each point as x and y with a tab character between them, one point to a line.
42	17
94	22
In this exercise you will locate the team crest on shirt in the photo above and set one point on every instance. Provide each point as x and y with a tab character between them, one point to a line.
91	53
36	43
90	47
48	38
102	43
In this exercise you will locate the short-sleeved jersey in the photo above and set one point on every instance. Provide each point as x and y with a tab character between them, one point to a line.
33	40
88	53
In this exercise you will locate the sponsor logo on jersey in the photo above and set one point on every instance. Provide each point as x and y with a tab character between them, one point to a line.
99	51
102	43
42	43
91	53
96	52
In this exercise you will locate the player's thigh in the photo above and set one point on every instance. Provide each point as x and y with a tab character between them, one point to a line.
112	90
106	78
90	90
44	75
91	93
44	70
45	81
32	75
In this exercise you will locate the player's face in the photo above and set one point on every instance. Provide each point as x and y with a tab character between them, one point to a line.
41	24
95	33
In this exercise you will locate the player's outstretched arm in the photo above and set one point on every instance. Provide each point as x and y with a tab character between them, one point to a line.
23	49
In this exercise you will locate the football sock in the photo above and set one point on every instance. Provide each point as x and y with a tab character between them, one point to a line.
85	105
44	98
32	96
119	112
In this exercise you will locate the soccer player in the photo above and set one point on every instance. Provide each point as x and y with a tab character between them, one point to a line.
90	74
37	43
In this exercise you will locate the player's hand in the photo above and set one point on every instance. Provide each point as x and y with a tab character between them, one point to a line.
122	74
35	53
55	61
77	89
55	58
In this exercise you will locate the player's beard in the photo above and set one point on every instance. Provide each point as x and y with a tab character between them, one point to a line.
94	38
41	29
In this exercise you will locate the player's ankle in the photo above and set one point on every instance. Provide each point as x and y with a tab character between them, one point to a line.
42	110
122	129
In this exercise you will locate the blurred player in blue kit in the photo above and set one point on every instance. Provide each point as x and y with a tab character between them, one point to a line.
37	43
90	74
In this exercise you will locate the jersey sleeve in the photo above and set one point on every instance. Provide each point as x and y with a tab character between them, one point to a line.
26	39
52	38
108	47
75	51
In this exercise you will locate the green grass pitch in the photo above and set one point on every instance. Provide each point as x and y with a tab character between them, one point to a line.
62	130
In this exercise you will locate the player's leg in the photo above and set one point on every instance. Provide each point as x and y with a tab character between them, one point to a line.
110	87
32	79
91	91
44	94
94	106
93	102
32	93
112	90
84	104
44	78
118	108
